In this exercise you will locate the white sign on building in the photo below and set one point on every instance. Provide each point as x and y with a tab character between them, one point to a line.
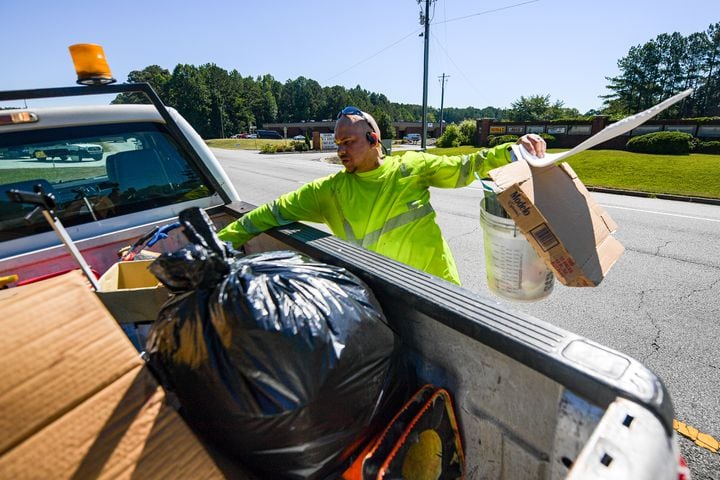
327	141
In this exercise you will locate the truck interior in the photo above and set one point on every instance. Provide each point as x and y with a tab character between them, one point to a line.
141	168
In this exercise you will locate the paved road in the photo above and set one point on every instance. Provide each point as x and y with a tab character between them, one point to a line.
659	303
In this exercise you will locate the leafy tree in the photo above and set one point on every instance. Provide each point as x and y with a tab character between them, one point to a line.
451	137
155	75
336	98
193	99
467	132
301	100
711	63
539	107
662	67
384	124
218	84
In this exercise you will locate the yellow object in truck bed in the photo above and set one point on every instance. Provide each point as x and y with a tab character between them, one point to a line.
131	292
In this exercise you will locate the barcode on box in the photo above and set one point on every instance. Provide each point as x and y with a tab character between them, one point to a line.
544	237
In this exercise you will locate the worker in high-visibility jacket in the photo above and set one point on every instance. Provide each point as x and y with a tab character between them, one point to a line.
380	203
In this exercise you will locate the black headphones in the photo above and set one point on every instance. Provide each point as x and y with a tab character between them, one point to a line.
370	138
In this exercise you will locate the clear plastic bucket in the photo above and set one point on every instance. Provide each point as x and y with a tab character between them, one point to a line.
514	270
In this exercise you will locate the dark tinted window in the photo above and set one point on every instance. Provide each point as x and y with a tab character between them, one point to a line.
268	134
94	173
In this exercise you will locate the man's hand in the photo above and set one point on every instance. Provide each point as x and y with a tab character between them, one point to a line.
534	144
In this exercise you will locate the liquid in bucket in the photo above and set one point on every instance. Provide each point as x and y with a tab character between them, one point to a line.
514	270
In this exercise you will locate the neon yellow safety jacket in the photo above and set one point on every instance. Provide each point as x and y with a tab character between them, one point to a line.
386	210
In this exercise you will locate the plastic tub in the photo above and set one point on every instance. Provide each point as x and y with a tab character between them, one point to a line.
514	270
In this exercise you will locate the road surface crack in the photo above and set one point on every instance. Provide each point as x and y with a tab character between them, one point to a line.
660	247
695	291
672	257
655	343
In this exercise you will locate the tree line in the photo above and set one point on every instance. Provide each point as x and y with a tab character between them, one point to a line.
664	66
219	103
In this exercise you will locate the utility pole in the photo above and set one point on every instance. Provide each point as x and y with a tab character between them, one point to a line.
220	112
425	20
442	79
222	124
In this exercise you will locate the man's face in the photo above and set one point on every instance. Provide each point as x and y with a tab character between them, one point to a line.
354	150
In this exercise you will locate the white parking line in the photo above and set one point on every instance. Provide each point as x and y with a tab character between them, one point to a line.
662	213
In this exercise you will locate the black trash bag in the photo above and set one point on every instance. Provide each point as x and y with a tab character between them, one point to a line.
278	360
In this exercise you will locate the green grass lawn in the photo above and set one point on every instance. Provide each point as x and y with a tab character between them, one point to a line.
695	174
52	175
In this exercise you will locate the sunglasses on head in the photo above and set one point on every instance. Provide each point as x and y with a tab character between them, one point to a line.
355	111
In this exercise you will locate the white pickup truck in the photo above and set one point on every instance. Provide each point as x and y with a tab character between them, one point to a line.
533	401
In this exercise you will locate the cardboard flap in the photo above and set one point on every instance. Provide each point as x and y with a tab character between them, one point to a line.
576	242
568	169
608	252
59	346
510	174
76	400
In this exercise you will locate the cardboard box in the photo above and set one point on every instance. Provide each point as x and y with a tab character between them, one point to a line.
76	400
562	222
131	292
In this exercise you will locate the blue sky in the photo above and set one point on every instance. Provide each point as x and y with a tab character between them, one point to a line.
561	48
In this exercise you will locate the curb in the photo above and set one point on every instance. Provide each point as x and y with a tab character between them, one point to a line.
662	196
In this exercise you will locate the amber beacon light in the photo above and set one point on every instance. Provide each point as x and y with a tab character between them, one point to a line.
90	64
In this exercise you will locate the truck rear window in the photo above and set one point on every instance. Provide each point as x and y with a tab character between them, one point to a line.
94	172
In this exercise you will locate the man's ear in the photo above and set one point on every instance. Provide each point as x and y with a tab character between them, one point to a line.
372	138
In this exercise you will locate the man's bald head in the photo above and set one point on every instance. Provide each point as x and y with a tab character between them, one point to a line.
363	118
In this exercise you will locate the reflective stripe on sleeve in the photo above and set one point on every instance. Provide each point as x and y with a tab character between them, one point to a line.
397	222
275	210
249	226
465	171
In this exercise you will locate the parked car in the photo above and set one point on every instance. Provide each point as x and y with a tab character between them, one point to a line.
299	137
268	134
412	137
68	151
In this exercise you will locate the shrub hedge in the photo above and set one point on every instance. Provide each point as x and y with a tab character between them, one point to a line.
712	146
268	148
667	143
451	137
549	139
494	140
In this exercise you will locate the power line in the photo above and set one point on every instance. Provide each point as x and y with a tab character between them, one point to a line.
487	11
414	32
479	92
470	82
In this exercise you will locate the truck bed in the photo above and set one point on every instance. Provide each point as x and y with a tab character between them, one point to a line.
535	401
